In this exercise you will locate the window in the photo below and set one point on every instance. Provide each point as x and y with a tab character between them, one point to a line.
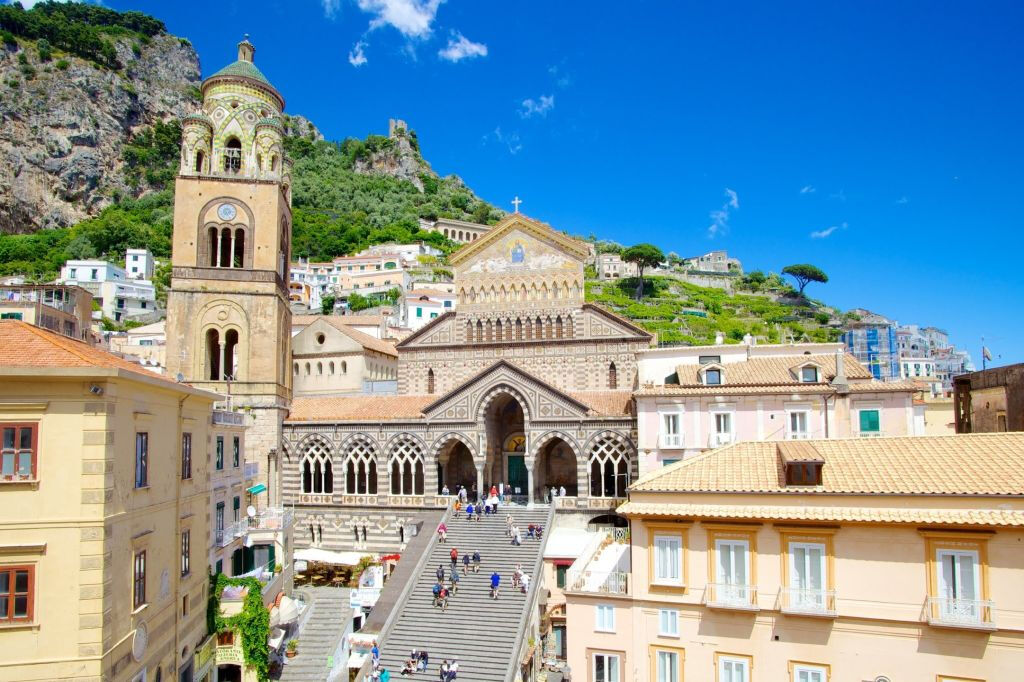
219	462
809	375
606	668
139	580
723	428
668	623
733	668
732	573
671	434
72	273
806	672
419	312
605	620
869	423
95	274
713	377
709	359
186	456
186	552
958	584
668	559
447	304
560	572
236	505
807	575
16	593
18	456
236	451
667	665
613	377
11	316
798	425
433	315
141	460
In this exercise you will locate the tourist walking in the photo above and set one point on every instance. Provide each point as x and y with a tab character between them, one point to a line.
508	525
455	582
479	511
454	555
476	561
442	533
495	584
440	574
525	582
424	660
442	673
453	670
517	539
469	511
465	564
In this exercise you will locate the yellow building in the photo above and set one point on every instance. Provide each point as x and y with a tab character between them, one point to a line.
104	533
860	559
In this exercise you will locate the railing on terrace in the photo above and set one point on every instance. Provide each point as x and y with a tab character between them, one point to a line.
716	440
228	418
731	596
264	573
810	602
603	582
225	535
271	518
966	613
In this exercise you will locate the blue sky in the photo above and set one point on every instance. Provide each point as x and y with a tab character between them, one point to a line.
881	141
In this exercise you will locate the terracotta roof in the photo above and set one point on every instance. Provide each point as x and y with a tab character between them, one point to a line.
606	403
304	320
359	407
25	346
774	370
963	464
967	517
416	293
872	386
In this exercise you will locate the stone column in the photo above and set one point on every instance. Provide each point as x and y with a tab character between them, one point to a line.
480	478
223	356
529	481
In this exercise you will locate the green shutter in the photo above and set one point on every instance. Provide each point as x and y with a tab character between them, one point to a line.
869	421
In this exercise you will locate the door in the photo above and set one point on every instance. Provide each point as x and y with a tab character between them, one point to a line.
958	585
517	478
732	571
807	575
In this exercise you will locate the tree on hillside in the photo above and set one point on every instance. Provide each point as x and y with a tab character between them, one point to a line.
644	256
804	274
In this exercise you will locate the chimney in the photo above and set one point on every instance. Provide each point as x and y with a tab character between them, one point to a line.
246	50
839	382
719	338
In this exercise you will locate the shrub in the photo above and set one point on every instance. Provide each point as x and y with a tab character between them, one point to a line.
63	64
44	49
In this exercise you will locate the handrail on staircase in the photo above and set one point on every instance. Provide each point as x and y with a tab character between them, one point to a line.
538	564
403	598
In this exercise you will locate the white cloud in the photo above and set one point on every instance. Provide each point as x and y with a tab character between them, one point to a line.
537	107
720	217
357	56
838	196
903	200
824	234
808	189
412	18
331	7
460	47
562	79
510	140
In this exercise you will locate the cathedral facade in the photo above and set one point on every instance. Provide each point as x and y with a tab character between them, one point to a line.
523	385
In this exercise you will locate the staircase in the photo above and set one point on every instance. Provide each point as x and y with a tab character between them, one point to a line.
320	634
481	632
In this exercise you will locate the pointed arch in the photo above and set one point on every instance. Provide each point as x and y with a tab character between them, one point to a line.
613	376
430	380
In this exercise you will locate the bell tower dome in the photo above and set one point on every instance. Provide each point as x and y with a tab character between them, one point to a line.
228	321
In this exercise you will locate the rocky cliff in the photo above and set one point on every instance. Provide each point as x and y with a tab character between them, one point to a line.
64	122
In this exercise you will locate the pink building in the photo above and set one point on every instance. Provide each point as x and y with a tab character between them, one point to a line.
699	397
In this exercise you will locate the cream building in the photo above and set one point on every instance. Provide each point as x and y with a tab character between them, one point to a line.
104	535
858	559
331	358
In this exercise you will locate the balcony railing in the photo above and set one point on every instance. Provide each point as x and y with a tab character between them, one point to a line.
228	418
271	518
224	536
960	613
607	582
716	440
808	602
730	596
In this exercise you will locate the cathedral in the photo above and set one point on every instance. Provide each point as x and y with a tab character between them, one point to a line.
524	384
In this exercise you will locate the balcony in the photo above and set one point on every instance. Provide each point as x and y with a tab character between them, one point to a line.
730	596
971	614
228	418
808	602
717	440
224	536
605	582
270	518
603	566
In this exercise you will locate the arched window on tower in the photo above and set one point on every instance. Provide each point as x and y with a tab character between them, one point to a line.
430	380
613	376
214	241
200	157
233	156
213	355
273	163
231	355
239	256
224	257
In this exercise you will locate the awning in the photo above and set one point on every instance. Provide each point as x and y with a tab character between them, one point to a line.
257	489
276	638
327	557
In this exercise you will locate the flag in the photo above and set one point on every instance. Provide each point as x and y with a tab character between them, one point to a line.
986	353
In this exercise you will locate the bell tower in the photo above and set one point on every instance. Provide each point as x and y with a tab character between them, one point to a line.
228	321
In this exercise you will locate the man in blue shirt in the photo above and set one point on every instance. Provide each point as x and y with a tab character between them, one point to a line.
495	583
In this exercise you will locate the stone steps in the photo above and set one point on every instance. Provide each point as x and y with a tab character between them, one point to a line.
319	637
479	631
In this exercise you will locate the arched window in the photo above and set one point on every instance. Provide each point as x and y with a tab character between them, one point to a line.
361	468
233	156
344	367
296	369
319	368
307	369
199	161
430	380
317	470
239	256
519	329
214	241
609	467
558	327
406	466
497	330
259	162
224	258
479	330
213	359
331	366
469	331
613	377
273	163
231	355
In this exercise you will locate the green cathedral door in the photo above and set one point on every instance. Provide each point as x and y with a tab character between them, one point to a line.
517	474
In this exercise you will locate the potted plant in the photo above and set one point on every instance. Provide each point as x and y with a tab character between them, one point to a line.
292	648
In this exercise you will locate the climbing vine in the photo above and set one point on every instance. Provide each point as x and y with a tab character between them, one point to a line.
252	622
